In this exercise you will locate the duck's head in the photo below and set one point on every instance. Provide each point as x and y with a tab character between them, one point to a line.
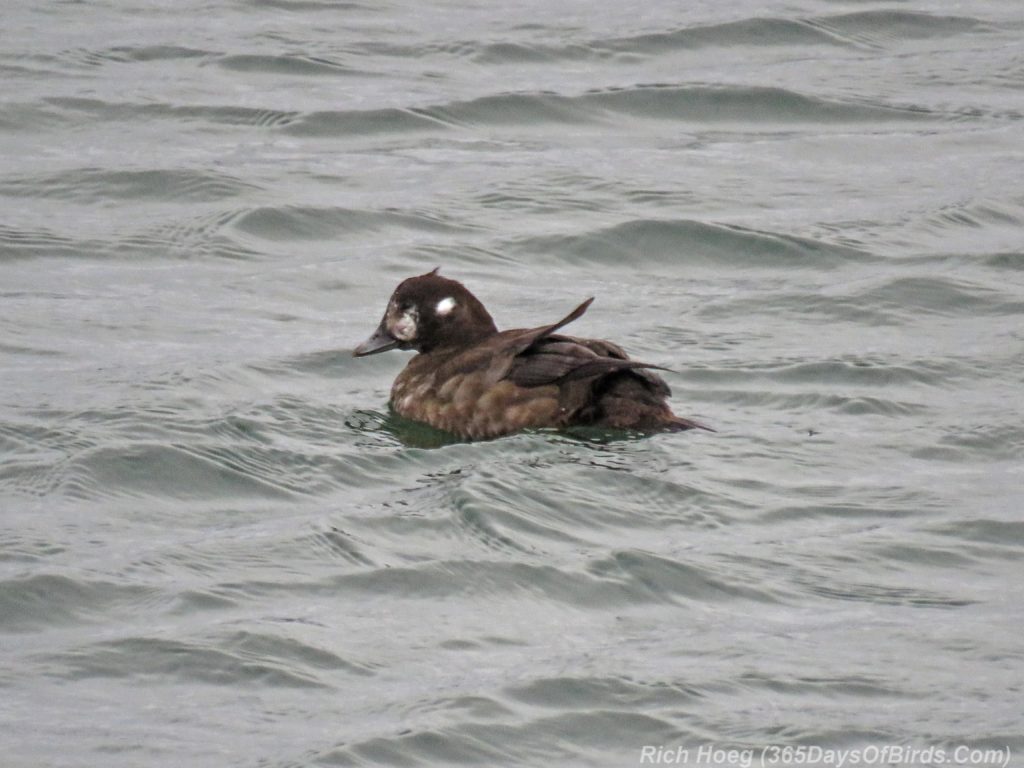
429	312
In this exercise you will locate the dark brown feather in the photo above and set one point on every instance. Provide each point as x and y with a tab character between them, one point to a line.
560	359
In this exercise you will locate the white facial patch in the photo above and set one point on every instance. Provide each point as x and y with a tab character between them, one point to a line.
404	328
444	306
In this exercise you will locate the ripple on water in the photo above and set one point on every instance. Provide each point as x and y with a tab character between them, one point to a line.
863	29
92	184
309	223
197	237
670	580
43	600
1012	260
292	65
683	241
493	578
24	243
885	28
300	6
509	509
745	32
960	442
700	105
879	594
569	693
743	104
174	454
852	370
1006	537
72	110
242	659
573	737
121	54
947	296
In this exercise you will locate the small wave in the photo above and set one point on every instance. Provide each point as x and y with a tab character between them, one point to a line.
476	522
685	241
883	595
757	32
485	578
662	579
300	6
304	222
998	441
569	738
515	52
1012	260
91	184
910	554
859	371
627	579
569	693
184	472
884	28
17	243
295	65
828	687
171	455
238	661
758	105
73	108
123	54
811	402
819	511
941	296
424	747
45	600
698	104
812	305
159	52
572	506
336	542
995	221
37	457
504	109
206	236
868	29
263	645
1004	535
361	122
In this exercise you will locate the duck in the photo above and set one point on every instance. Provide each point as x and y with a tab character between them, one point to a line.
478	383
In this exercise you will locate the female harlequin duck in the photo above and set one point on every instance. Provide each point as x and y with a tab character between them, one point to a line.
477	382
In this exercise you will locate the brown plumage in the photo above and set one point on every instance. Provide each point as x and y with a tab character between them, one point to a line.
476	382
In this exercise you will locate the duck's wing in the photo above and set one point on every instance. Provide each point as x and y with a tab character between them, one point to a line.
534	357
559	359
520	341
538	356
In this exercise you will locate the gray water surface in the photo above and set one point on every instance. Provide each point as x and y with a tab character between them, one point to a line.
217	548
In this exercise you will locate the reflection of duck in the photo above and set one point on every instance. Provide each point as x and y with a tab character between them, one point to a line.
476	382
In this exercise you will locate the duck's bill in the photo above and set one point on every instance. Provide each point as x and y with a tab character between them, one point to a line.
380	341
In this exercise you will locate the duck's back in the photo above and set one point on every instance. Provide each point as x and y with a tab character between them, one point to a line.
523	379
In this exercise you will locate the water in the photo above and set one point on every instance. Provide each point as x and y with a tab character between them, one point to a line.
217	548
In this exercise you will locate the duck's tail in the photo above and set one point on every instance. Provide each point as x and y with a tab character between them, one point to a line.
680	424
